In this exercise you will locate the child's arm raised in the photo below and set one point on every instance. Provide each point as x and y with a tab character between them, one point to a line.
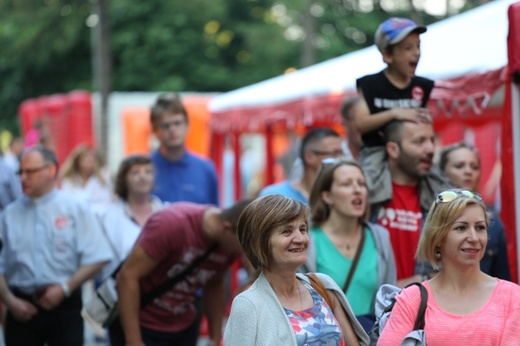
367	122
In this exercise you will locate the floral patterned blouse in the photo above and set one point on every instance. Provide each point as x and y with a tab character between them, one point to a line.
317	325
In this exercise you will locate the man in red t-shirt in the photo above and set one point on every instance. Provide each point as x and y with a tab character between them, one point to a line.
409	148
171	240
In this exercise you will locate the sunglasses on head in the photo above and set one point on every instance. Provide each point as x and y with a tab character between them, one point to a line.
451	195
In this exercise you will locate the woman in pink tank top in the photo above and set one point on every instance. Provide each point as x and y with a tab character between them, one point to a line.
465	306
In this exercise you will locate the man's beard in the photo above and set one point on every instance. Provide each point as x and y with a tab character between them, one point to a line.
408	164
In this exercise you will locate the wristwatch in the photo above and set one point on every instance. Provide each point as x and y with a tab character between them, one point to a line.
66	289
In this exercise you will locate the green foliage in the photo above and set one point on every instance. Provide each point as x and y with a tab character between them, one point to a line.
196	45
45	50
179	45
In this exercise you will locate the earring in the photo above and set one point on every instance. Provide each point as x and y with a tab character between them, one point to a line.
438	255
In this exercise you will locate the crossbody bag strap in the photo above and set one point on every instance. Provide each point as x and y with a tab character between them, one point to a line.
113	248
356	260
165	286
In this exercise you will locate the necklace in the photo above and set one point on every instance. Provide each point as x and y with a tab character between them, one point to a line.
348	246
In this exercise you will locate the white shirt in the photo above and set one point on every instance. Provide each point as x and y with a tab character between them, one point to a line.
47	239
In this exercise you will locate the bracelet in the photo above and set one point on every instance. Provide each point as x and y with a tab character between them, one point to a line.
66	289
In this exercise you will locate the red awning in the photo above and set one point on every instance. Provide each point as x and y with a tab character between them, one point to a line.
306	111
469	93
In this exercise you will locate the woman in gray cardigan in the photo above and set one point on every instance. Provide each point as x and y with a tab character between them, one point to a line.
282	307
340	234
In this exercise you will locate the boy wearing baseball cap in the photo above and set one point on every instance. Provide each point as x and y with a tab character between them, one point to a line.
395	93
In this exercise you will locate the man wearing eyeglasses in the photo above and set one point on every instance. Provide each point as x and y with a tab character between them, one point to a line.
317	145
401	204
180	175
52	245
351	145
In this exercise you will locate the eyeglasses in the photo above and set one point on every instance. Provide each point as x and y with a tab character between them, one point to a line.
334	153
329	161
167	126
451	195
31	171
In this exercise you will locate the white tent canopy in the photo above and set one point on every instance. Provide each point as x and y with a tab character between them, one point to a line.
472	42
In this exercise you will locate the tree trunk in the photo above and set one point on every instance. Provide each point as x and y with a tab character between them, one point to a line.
102	68
309	29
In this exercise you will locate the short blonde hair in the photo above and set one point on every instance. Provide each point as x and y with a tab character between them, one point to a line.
70	168
258	221
438	223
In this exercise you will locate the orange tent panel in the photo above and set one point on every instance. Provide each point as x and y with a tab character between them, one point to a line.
198	139
138	135
137	130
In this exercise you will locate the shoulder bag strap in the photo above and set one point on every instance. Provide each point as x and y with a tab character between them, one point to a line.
113	248
318	286
419	321
165	286
356	260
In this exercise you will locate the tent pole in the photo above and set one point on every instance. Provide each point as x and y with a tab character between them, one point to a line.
515	115
510	195
237	150
216	151
269	159
512	143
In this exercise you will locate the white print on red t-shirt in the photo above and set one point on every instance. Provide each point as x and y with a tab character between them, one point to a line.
417	93
400	219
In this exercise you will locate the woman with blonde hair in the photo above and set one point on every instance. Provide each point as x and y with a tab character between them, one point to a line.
282	307
465	306
83	175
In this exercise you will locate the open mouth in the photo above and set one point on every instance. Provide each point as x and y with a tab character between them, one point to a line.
296	250
357	202
427	160
470	250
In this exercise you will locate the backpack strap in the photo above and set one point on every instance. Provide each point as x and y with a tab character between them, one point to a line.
419	320
381	320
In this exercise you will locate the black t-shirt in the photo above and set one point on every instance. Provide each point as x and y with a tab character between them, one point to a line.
380	94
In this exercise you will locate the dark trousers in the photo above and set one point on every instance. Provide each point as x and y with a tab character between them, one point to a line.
367	321
62	326
186	337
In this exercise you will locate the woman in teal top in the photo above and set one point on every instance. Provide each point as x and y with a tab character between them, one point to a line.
339	207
